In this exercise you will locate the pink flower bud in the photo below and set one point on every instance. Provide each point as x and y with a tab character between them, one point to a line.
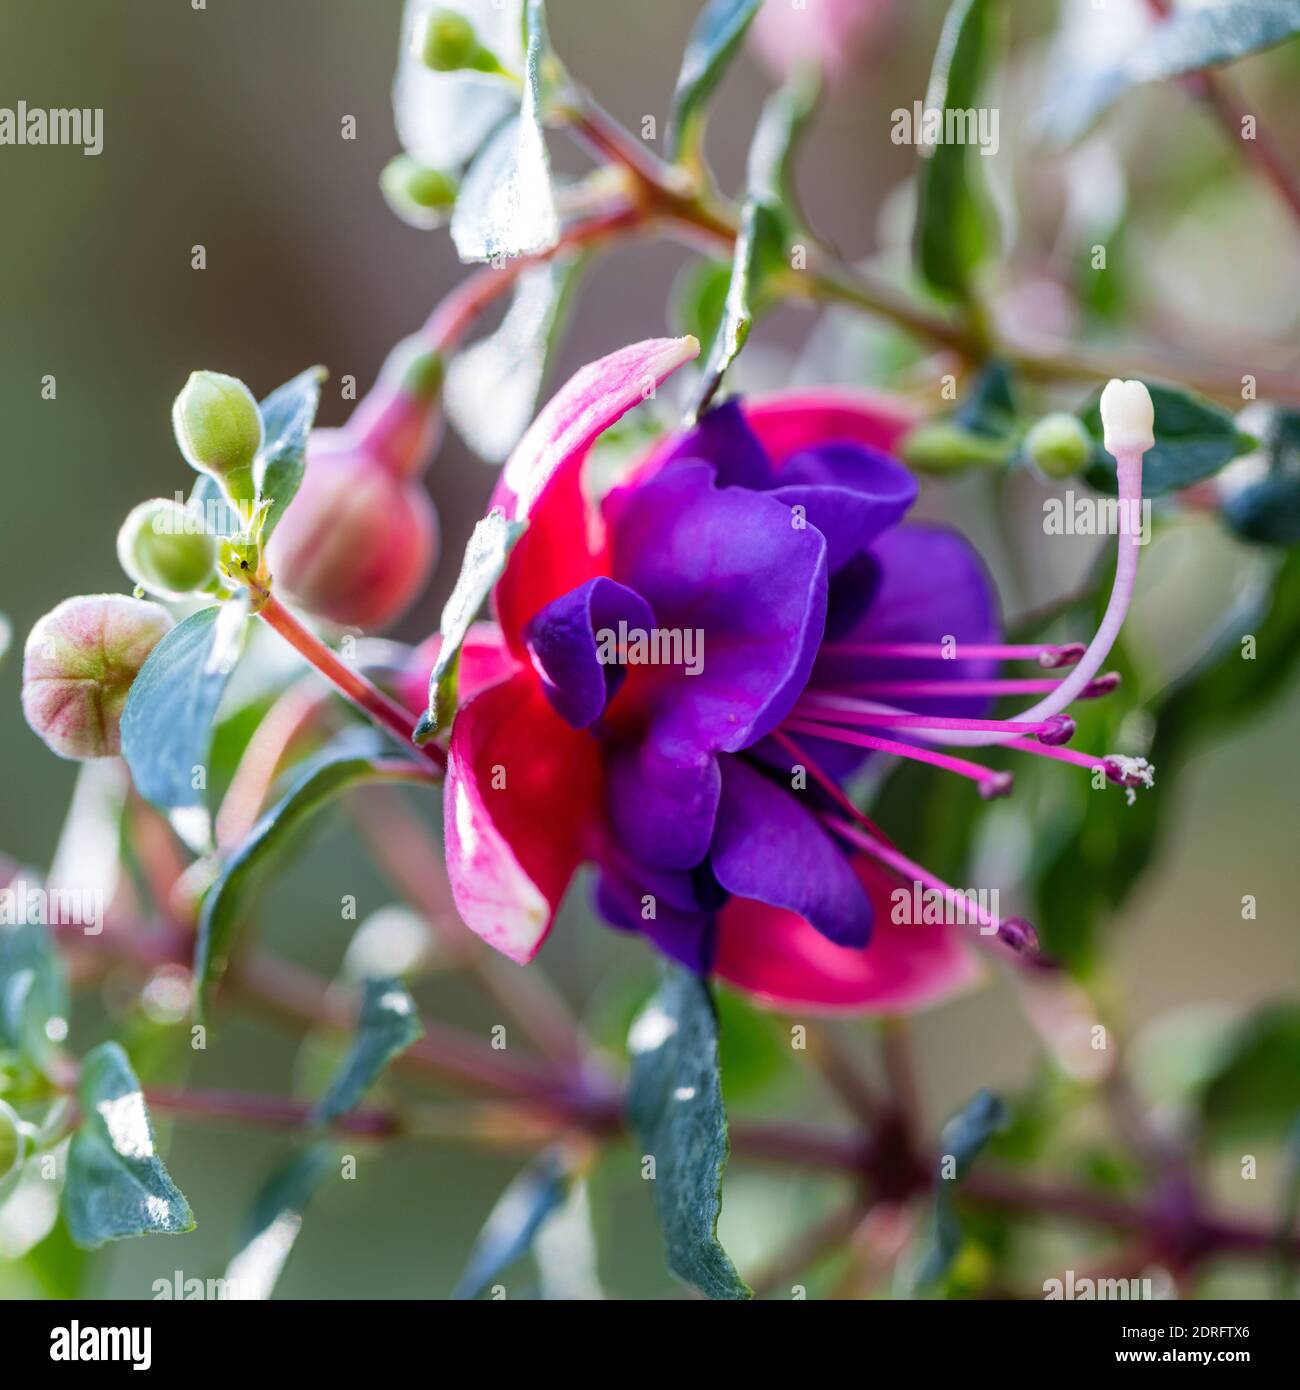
832	35
360	539
357	543
78	666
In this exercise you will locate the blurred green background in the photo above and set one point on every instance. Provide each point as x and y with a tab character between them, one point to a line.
222	127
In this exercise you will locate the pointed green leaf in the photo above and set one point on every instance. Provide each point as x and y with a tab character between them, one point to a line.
288	414
167	721
951	233
226	903
963	1137
33	988
1190	39
537	1191
713	42
388	1025
272	1229
116	1184
485	561
675	1110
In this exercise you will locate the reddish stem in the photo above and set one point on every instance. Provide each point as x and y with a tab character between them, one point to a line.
381	708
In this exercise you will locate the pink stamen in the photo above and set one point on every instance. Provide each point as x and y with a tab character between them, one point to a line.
816	705
800	758
1014	933
1049	657
988	782
1123	771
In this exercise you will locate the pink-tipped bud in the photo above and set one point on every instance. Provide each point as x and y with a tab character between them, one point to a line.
358	543
399	420
78	666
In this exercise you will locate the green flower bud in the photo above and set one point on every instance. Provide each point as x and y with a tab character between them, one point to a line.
219	430
417	194
1059	445
446	41
164	549
78	665
13	1141
942	447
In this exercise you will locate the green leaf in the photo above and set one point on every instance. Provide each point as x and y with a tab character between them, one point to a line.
780	127
537	1191
485	561
288	414
226	903
963	1137
116	1184
1189	40
675	1110
272	1229
506	205
1268	509
951	237
167	721
760	235
989	407
33	989
1194	439
713	42
698	301
492	386
388	1025
1256	1089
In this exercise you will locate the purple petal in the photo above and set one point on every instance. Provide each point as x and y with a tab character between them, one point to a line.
723	438
768	846
850	493
728	565
564	646
662	797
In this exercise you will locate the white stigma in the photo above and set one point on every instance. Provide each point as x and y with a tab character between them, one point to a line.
1127	417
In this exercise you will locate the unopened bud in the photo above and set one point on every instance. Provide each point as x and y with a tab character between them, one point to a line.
446	41
1059	445
358	542
219	430
78	665
941	447
163	550
417	194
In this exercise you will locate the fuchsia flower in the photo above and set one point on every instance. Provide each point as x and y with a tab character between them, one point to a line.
359	541
708	796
